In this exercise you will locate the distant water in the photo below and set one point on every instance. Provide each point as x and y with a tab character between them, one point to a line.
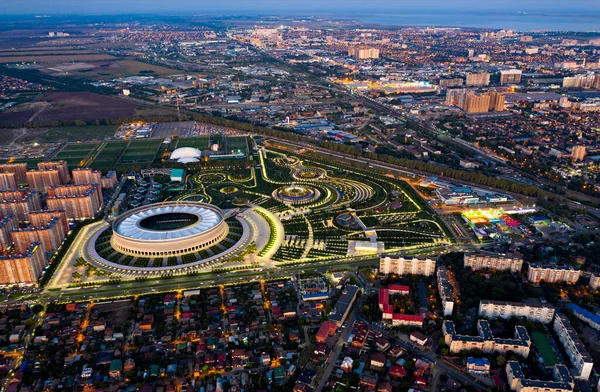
509	21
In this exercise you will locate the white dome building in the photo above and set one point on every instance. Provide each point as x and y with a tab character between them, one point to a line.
186	155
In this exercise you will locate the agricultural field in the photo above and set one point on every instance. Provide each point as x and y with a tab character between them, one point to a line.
81	133
111	69
53	58
62	106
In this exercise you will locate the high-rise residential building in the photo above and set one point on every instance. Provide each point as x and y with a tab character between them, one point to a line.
50	236
19	169
406	266
578	153
86	176
552	273
8	182
510	76
477	103
44	217
531	309
363	52
445	291
456	97
485	340
110	180
497	101
20	203
7	225
580	359
563	381
78	201
42	180
478	79
454	82
479	261
61	166
24	268
471	102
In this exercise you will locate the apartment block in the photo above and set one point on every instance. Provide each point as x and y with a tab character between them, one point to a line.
480	261
485	340
7	225
478	79
363	52
61	166
44	217
592	319
552	273
42	180
404	266
445	290
595	282
8	182
86	176
388	314
50	237
580	359
22	268
531	309
454	82
508	76
19	170
78	201
110	180
19	203
563	381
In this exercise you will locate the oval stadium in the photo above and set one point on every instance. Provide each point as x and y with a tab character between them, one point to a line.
168	229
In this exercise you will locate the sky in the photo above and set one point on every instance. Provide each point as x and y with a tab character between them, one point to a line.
53	7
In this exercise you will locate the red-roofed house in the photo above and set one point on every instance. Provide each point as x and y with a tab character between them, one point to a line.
397	371
327	329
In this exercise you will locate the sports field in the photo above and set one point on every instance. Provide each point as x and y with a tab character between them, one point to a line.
544	348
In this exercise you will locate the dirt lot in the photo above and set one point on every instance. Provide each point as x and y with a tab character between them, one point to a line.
70	106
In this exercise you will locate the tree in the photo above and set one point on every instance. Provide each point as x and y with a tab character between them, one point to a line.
500	360
37	308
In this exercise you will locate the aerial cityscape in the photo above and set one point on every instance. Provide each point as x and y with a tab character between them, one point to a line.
299	196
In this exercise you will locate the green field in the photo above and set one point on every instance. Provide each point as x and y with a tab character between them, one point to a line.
141	151
544	348
236	143
201	142
107	158
76	153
